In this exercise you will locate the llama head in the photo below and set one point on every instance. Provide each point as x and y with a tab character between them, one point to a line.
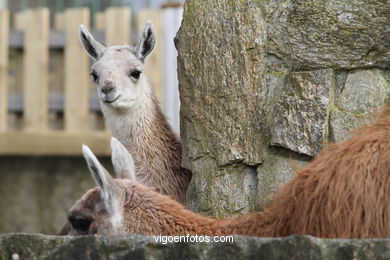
118	205
118	70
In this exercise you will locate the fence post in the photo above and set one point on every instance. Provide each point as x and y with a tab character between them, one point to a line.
4	34
100	21
36	80
20	20
77	80
154	63
172	16
118	21
59	21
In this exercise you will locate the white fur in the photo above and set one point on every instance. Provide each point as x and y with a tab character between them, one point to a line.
122	161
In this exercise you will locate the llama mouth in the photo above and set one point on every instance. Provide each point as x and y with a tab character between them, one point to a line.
112	101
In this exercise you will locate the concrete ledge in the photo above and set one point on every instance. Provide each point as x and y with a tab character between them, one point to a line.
37	246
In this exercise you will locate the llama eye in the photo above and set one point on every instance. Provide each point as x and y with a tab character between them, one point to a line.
135	74
94	76
81	224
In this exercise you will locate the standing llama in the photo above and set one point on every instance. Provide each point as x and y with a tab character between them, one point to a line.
135	118
343	193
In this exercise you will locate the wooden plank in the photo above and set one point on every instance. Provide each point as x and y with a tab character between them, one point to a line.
77	79
100	21
118	25
35	24
4	34
171	21
20	20
56	39
53	143
59	21
36	56
154	62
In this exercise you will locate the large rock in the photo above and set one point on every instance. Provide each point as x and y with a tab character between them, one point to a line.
265	85
220	87
358	98
330	33
33	246
300	115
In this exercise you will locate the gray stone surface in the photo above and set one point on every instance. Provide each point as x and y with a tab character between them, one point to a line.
330	33
357	100
33	246
300	112
279	167
220	73
257	75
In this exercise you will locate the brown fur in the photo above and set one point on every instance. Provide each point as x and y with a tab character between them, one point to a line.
156	151
343	193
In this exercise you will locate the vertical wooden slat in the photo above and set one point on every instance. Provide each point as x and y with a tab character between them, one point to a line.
20	20
35	76
154	62
118	21
171	21
4	34
59	21
100	21
76	72
118	28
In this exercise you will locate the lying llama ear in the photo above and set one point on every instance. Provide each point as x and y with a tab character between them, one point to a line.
109	189
122	161
146	42
91	46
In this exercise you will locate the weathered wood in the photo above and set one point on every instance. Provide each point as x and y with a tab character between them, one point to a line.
76	72
59	21
118	25
100	21
4	33
53	143
20	20
171	21
154	67
36	69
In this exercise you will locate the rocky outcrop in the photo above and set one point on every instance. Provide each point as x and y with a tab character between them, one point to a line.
265	85
33	246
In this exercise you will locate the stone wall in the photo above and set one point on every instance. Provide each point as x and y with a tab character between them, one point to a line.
36	192
265	85
30	246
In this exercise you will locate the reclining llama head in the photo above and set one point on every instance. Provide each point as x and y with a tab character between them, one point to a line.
117	70
116	206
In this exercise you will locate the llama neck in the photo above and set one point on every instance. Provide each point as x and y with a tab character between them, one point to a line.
180	221
155	149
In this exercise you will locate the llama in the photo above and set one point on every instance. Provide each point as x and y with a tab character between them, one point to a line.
343	193
132	112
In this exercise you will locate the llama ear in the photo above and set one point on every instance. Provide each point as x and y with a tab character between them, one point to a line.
110	191
146	42
122	161
91	46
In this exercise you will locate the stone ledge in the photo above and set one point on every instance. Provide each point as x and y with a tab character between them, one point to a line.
37	246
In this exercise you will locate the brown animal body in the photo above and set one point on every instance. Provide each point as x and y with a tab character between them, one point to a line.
133	114
343	193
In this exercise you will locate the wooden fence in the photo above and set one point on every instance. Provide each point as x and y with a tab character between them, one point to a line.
75	104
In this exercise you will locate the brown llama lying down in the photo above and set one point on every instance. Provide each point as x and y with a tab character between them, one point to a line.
133	114
343	193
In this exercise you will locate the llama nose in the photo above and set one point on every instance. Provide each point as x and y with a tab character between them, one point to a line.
107	87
